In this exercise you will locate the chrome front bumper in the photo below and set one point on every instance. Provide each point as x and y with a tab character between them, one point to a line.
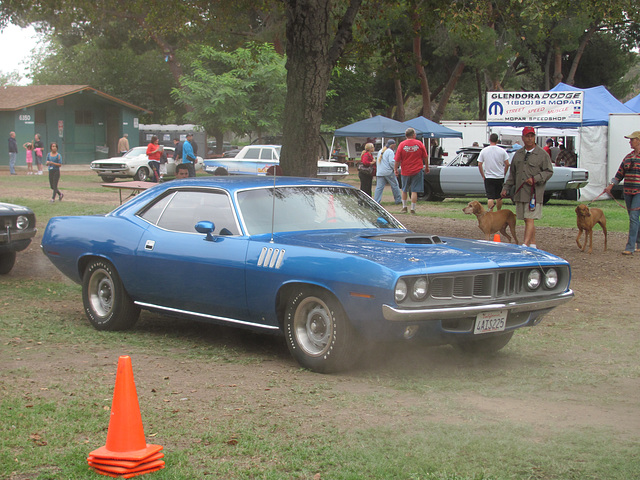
394	314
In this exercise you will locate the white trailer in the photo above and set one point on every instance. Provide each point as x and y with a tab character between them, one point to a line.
472	131
620	124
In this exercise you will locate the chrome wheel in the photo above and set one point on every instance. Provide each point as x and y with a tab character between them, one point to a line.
318	332
100	292
106	302
313	326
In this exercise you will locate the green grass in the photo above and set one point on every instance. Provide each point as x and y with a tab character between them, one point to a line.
412	414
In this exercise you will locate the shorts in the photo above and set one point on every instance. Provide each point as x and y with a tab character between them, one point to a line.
522	211
493	187
413	183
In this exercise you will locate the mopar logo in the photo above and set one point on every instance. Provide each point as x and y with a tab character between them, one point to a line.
496	108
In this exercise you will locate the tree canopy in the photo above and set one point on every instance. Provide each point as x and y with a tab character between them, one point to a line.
344	59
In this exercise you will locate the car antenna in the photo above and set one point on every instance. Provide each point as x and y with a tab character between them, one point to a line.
273	204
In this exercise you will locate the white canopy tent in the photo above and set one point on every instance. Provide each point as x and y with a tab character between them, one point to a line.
591	136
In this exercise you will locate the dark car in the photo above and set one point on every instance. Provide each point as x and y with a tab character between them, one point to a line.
17	228
460	178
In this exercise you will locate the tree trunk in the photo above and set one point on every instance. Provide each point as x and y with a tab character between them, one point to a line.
579	52
310	58
451	85
422	75
482	112
397	85
547	71
557	65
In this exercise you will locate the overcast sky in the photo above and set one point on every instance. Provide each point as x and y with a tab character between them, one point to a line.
16	45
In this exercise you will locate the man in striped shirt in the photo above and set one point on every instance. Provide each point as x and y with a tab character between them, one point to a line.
629	171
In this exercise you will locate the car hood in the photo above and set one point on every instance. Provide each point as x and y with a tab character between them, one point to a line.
118	159
407	252
11	209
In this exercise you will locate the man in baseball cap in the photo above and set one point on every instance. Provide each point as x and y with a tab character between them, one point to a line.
629	171
531	167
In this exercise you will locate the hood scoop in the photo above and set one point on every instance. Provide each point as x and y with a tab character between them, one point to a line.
409	238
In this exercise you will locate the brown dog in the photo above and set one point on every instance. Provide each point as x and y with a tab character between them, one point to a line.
587	218
493	222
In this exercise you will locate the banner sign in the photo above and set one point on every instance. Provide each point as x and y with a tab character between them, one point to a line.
535	107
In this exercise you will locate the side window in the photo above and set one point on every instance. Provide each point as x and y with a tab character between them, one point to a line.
252	153
266	154
152	213
188	207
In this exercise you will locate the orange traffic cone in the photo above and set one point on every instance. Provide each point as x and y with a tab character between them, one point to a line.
496	237
126	452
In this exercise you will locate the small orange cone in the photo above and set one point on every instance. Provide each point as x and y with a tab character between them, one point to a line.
496	237
126	452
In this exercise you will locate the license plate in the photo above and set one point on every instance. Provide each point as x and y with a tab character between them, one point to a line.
487	322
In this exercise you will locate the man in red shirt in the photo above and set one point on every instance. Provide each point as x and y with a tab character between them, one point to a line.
412	158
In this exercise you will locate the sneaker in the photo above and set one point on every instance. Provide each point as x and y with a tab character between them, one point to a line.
533	245
52	200
39	172
413	212
627	252
404	210
61	196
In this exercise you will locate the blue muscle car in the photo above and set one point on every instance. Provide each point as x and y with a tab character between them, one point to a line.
314	260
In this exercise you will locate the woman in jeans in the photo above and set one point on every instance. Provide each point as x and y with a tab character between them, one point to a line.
54	162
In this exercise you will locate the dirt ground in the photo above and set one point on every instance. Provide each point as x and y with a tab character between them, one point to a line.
604	284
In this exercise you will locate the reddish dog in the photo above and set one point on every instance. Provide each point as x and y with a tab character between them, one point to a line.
587	218
493	222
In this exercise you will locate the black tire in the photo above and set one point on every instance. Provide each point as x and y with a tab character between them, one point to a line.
318	332
7	261
429	195
142	175
107	305
107	179
484	346
546	198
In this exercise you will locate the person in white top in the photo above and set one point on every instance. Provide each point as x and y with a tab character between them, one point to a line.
493	163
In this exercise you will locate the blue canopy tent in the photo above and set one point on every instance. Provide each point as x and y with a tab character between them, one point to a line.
634	104
425	128
592	133
375	127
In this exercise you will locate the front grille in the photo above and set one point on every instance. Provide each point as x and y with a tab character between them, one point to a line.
482	286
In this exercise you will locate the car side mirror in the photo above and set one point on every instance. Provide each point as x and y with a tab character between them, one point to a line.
206	227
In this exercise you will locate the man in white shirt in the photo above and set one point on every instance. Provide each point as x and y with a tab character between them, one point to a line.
493	163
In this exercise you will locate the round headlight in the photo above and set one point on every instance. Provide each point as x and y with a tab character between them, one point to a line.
400	291
551	278
22	222
533	279
420	288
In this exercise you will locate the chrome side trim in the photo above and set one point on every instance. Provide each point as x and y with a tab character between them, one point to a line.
394	314
205	315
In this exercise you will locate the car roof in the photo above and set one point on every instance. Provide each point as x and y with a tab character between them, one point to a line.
262	146
240	182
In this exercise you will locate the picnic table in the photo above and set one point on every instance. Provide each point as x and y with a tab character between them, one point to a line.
133	187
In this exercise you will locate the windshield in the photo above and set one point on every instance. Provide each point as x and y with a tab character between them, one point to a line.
311	208
136	151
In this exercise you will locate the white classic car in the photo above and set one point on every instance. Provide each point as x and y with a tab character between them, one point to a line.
259	159
135	164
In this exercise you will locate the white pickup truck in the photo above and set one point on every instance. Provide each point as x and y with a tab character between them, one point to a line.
258	159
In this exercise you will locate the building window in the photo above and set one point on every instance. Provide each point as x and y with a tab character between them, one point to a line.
84	117
41	115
